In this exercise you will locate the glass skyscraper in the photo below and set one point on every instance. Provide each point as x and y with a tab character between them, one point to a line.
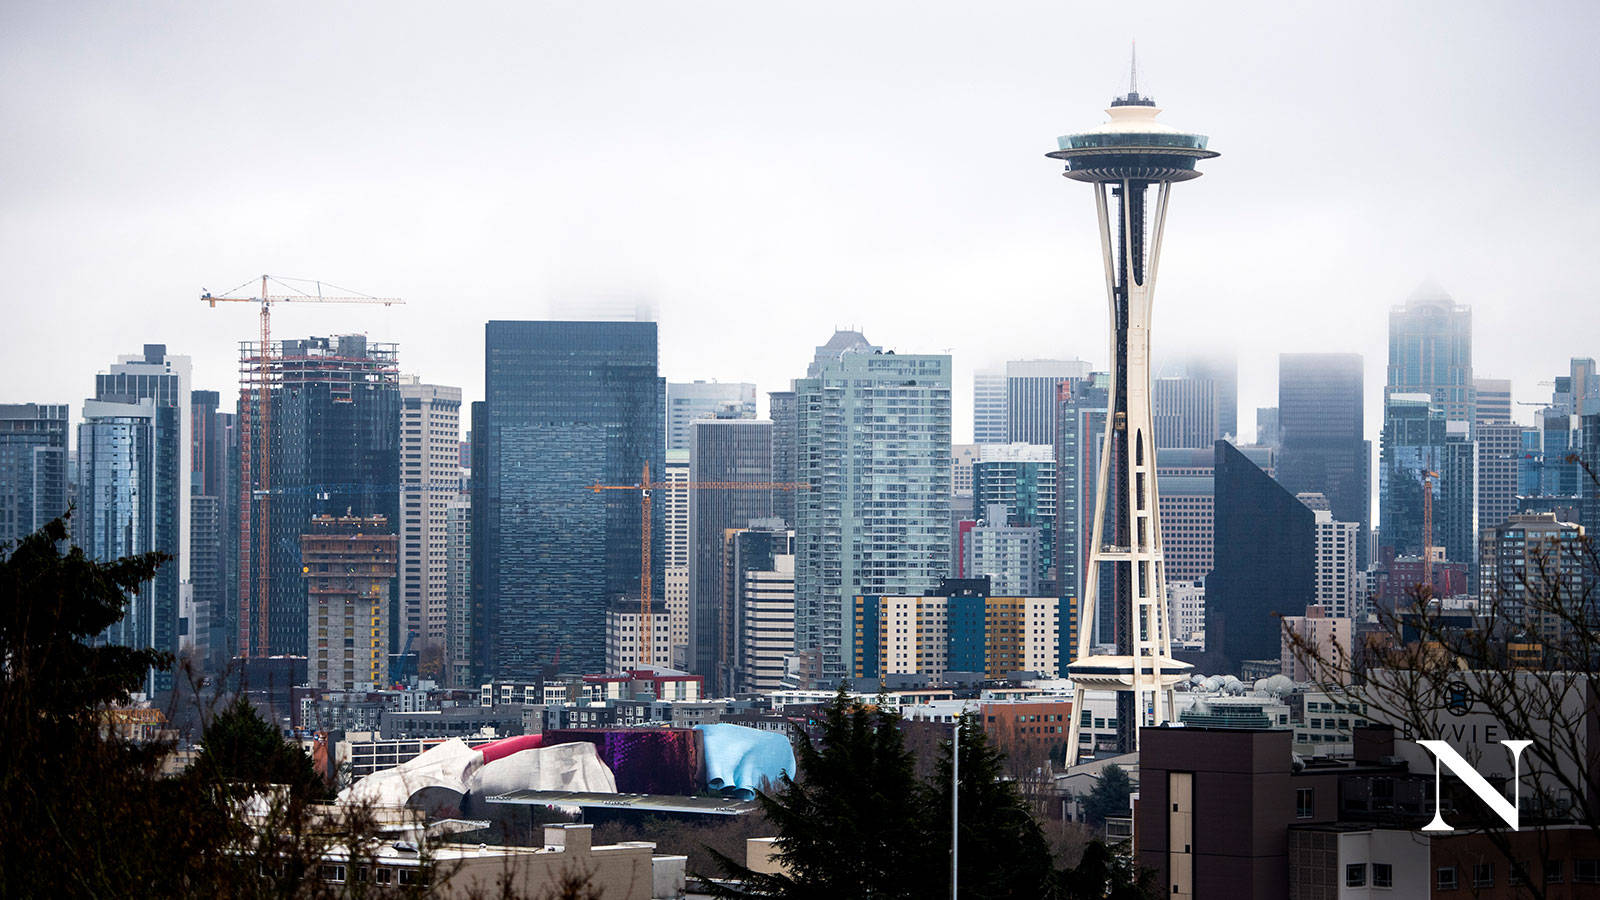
33	467
117	512
335	451
1418	440
1022	478
873	443
163	379
1265	562
1430	352
1322	448
721	450
567	405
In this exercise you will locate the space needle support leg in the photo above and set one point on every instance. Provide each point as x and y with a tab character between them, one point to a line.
1088	603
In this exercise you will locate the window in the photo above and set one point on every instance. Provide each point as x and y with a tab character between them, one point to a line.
1445	878
1382	875
1553	872
1483	875
1305	803
1355	875
1586	871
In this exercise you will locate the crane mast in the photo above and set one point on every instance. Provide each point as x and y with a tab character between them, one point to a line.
645	487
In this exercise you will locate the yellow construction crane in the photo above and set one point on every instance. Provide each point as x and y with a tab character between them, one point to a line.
644	487
255	430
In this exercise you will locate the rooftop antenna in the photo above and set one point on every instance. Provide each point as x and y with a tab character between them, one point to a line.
1133	70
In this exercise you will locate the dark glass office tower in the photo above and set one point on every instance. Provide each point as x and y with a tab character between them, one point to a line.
335	451
1321	444
33	467
567	405
724	451
1265	562
1080	432
213	527
1417	441
784	422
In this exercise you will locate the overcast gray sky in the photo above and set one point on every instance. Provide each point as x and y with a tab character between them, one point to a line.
762	172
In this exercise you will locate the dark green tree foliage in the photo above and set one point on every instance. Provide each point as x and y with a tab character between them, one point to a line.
1003	853
240	746
86	814
1109	797
1103	874
858	823
853	825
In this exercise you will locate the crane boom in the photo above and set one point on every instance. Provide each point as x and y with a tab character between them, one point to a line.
644	486
255	446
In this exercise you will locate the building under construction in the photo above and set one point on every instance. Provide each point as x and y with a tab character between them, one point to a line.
319	436
349	567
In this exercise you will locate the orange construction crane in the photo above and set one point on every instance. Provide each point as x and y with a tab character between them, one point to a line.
1427	527
644	487
255	430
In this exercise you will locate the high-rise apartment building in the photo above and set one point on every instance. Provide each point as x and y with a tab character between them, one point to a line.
1006	554
625	635
1533	566
989	406
1499	452
349	566
1020	478
118	458
1081	421
1430	352
334	450
1265	550
567	405
1335	560
1322	444
676	543
156	375
430	466
688	401
33	467
1326	636
933	634
726	452
763	573
1031	393
873	443
458	590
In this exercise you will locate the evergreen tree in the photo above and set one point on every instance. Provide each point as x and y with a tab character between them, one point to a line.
240	746
1104	874
87	813
852	823
1109	797
1002	851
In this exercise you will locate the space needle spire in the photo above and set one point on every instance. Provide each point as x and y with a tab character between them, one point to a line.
1124	159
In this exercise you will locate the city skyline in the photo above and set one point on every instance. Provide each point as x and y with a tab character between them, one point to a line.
853	223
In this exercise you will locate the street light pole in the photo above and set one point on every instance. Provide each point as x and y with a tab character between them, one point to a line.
955	804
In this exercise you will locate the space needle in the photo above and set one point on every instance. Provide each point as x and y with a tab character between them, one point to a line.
1124	159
